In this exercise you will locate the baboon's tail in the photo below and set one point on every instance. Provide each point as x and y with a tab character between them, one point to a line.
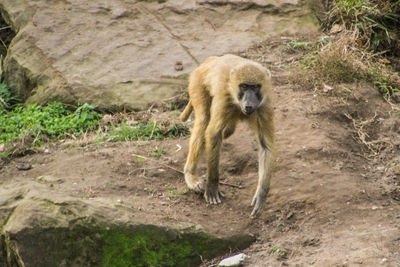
186	112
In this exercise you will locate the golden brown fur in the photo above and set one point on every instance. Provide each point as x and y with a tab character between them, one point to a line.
217	104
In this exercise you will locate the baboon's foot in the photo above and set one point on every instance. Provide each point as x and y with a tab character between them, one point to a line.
213	195
194	183
258	204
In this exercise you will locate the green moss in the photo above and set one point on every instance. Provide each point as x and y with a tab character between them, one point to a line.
153	246
86	242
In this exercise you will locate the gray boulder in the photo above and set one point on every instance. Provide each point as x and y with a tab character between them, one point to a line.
126	54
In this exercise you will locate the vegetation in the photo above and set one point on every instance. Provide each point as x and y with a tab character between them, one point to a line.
367	35
145	131
374	24
33	124
280	252
36	123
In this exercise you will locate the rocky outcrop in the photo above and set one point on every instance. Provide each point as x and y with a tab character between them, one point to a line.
123	54
41	228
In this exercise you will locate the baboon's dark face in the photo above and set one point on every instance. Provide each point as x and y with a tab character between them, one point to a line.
249	97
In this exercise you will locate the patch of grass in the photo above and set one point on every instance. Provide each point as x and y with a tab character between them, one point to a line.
374	24
157	152
280	252
176	193
342	62
172	106
368	30
6	98
34	123
298	45
146	131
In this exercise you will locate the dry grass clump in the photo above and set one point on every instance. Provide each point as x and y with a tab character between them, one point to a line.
365	40
344	61
375	24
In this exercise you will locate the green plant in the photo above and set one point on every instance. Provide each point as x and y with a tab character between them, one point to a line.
176	193
298	45
39	123
145	131
6	98
373	23
341	62
171	106
278	251
157	152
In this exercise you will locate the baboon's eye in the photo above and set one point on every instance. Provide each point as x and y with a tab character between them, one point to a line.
245	86
259	95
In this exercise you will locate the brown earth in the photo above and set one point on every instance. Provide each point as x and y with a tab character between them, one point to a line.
334	200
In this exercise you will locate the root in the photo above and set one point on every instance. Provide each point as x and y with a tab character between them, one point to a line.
374	146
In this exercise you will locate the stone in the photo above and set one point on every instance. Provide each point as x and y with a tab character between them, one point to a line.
43	227
125	55
233	261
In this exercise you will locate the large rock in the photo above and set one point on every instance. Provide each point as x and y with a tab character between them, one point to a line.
44	228
122	54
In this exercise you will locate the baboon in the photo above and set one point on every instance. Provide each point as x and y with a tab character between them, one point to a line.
222	91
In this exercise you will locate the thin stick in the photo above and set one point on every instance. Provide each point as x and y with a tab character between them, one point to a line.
152	131
232	185
165	165
172	168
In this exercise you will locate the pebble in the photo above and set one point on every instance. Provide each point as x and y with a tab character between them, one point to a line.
24	166
233	261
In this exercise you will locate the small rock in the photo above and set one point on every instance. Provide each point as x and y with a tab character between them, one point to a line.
47	151
178	66
233	261
327	88
336	29
2	147
380	168
24	166
374	207
396	97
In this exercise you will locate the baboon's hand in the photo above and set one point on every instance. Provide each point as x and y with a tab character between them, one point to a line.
213	195
258	204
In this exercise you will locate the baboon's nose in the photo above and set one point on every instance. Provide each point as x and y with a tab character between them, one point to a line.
248	109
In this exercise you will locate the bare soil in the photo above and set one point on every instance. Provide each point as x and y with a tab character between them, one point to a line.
334	200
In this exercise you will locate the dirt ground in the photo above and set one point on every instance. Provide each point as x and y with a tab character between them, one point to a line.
333	201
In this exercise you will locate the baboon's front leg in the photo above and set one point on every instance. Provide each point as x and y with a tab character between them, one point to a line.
265	162
196	148
212	193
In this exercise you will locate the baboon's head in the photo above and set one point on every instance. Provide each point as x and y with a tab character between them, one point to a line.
248	84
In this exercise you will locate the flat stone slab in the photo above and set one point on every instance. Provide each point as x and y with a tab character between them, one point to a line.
124	54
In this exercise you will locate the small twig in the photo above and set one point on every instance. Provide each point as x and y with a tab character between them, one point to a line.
152	131
4	28
231	185
150	108
165	165
2	42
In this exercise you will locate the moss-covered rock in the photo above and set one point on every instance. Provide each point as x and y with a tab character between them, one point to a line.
41	229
